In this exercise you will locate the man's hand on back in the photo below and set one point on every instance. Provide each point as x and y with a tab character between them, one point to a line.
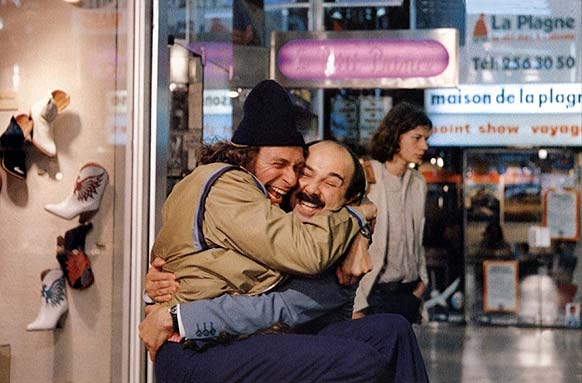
369	209
356	263
160	285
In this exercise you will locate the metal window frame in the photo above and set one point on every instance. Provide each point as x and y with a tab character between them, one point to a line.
141	194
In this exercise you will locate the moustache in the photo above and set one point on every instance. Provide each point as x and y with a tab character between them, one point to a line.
310	198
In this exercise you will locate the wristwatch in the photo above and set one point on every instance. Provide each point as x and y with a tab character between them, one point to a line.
174	314
366	231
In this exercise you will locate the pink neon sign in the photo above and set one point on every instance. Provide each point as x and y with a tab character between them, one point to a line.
341	59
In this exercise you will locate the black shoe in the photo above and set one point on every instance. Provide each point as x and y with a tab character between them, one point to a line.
11	144
75	238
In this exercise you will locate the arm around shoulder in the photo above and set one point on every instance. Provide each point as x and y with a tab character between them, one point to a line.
240	217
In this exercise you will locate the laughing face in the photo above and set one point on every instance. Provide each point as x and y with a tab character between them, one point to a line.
278	169
323	183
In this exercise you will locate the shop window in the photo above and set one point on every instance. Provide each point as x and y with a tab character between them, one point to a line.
354	114
287	16
361	18
186	112
63	74
441	14
288	19
511	215
443	235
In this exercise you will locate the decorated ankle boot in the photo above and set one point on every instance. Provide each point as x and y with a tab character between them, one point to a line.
54	302
72	257
44	112
11	142
87	193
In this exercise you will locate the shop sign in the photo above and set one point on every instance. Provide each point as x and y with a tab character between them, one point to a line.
372	111
217	115
561	214
506	98
217	101
375	59
343	118
523	47
217	127
500	286
506	130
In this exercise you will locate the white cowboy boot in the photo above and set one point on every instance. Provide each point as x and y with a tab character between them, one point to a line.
43	114
87	194
54	301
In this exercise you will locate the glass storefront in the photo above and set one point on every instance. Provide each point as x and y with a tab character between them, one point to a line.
522	212
503	211
514	160
350	115
66	97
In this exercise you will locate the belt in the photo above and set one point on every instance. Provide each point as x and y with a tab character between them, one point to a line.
397	286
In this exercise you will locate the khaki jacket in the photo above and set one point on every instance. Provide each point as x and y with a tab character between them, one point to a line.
415	191
219	212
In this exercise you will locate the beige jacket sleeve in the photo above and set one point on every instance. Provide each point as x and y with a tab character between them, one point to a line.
239	215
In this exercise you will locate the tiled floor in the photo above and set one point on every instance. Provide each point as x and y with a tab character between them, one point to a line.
483	354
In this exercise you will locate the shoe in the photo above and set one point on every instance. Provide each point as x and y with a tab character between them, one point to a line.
75	238
54	301
43	113
72	257
87	193
77	268
12	142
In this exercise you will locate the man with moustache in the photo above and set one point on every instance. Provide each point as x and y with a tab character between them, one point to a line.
331	178
228	208
220	210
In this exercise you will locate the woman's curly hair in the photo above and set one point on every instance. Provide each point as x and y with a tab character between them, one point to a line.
400	119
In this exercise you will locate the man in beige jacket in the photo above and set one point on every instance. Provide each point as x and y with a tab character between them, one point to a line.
220	234
335	359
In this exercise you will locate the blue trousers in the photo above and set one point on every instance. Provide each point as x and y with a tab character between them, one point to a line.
377	348
398	302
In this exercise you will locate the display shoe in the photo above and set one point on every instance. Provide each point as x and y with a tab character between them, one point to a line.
11	143
87	193
54	301
71	256
75	238
77	268
43	113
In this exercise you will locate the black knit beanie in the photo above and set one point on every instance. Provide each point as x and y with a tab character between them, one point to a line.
268	118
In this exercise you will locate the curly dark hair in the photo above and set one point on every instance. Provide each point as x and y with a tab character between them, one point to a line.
229	153
400	119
